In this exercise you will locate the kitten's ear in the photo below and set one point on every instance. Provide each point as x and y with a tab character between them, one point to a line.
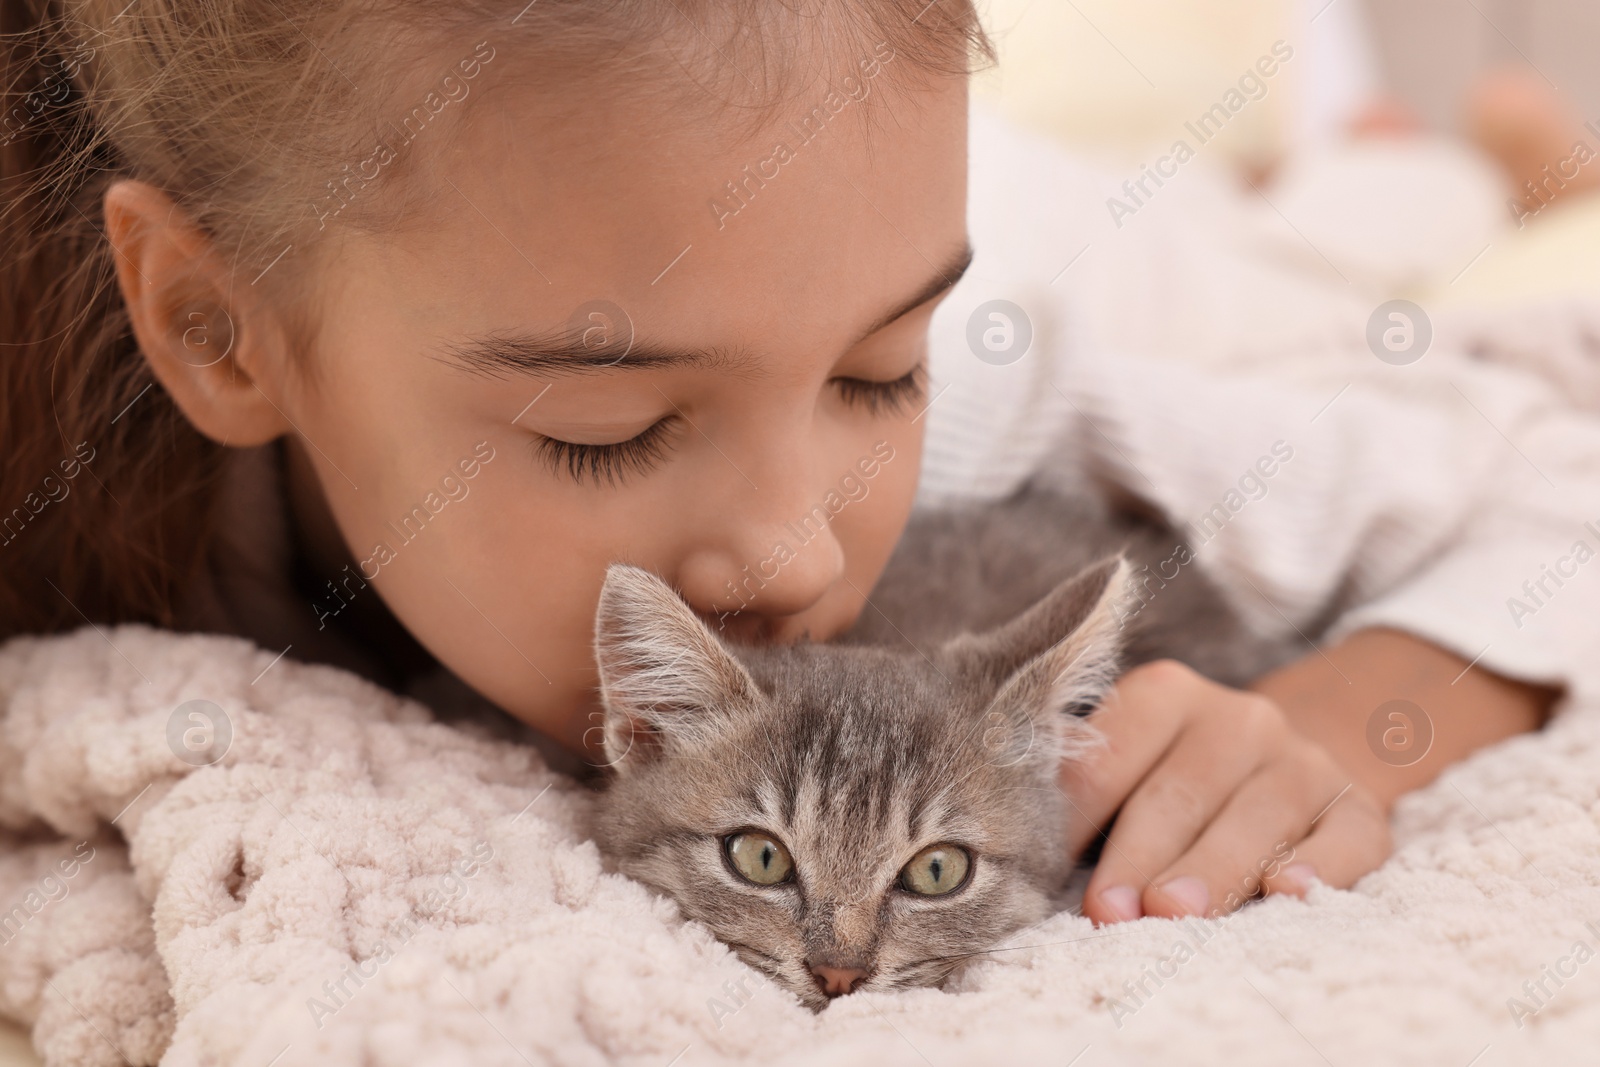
1053	662
665	679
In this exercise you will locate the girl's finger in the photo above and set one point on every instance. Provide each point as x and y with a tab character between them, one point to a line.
1350	839
1171	809
1253	835
1139	721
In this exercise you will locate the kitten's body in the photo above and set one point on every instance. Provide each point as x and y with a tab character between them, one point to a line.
939	720
970	569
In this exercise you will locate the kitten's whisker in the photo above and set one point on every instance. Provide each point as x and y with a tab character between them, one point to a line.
906	980
1019	948
753	951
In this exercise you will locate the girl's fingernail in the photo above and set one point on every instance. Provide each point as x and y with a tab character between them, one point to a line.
1299	876
1121	901
1189	893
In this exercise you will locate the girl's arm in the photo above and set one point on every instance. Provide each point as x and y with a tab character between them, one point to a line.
1455	709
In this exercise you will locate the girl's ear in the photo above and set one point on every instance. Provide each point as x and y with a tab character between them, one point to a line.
204	341
665	680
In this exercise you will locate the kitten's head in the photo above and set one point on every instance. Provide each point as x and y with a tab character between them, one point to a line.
848	817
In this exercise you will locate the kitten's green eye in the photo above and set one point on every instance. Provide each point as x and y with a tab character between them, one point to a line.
758	858
935	870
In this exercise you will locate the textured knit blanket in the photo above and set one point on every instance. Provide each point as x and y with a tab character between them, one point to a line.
207	857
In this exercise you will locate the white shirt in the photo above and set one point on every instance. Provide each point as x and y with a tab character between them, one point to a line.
1171	354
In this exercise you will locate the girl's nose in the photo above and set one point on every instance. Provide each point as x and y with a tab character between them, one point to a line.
765	567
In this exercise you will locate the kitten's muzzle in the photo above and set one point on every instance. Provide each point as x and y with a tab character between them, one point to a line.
836	981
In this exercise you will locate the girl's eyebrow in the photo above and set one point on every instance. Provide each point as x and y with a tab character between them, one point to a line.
942	282
526	353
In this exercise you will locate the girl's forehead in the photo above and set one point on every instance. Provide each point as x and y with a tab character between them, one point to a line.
644	154
834	212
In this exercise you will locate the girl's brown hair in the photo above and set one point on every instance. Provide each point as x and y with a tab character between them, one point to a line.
235	109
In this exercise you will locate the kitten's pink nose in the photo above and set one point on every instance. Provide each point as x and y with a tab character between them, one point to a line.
837	981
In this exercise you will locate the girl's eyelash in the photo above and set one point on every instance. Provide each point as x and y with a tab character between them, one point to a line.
892	397
605	464
610	464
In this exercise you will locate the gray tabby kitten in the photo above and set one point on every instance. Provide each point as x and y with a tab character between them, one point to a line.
872	813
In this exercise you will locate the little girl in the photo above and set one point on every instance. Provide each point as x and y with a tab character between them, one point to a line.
375	332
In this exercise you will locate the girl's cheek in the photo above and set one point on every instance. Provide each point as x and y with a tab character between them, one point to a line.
887	471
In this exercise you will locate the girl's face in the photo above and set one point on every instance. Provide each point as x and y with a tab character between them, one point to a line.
599	349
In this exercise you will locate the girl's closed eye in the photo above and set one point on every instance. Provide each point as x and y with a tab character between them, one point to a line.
610	463
895	397
607	464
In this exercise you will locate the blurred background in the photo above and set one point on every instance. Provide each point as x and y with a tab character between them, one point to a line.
1429	51
1115	81
1114	75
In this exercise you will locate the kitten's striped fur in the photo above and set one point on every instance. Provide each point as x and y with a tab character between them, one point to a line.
942	717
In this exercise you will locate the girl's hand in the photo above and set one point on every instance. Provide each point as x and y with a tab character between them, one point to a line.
1217	797
1226	793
